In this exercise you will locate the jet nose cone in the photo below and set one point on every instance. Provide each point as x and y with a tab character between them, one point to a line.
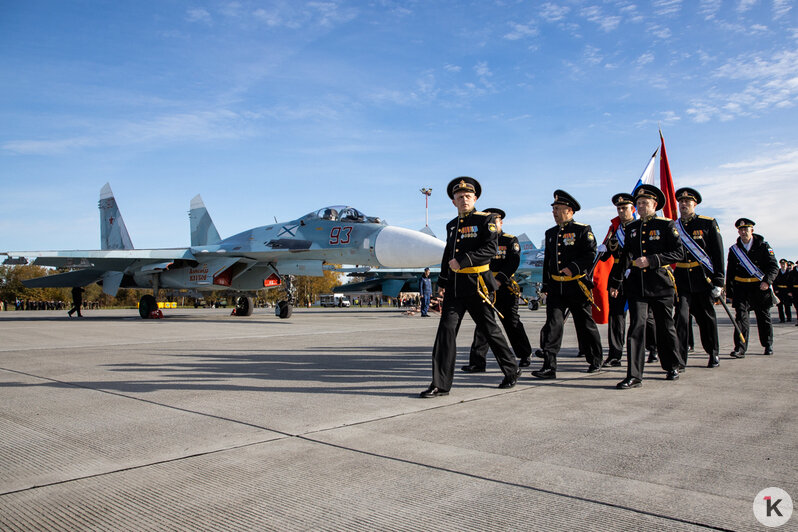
396	247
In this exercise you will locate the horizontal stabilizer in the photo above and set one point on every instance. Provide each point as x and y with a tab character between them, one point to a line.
203	230
59	280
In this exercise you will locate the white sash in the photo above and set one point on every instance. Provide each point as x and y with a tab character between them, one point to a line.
749	266
700	255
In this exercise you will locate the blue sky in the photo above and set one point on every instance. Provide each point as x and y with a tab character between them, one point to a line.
274	109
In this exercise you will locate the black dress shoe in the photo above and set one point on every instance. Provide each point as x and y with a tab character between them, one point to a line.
768	351
612	362
545	374
524	362
510	380
737	354
473	369
652	358
432	391
580	355
593	369
629	382
714	362
539	353
673	375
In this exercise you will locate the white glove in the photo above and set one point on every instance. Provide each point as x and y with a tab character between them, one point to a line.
716	290
601	249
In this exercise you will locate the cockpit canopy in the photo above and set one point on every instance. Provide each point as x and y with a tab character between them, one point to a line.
342	213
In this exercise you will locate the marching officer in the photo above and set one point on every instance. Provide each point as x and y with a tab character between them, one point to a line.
752	268
425	291
568	259
699	276
503	266
466	284
652	244
616	321
782	288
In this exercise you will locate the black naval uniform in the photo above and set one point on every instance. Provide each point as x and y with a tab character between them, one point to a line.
616	317
694	284
652	287
569	245
471	239
782	287
503	265
744	291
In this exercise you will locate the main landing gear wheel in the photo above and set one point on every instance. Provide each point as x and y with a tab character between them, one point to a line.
244	306
146	305
283	310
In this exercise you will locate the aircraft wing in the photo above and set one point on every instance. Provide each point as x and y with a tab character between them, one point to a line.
106	259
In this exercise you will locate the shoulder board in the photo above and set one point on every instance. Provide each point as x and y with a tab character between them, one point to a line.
663	218
577	223
508	235
706	217
481	213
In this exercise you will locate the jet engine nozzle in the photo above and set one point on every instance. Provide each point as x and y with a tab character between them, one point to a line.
396	247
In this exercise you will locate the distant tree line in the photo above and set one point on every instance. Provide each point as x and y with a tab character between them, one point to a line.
12	289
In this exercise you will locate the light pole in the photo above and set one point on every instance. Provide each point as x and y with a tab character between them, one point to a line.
427	193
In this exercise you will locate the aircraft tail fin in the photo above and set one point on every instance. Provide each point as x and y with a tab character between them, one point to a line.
203	231
113	233
428	231
523	238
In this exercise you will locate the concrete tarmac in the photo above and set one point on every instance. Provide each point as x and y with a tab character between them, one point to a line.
204	421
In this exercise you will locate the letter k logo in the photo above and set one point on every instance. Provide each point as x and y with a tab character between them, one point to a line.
772	506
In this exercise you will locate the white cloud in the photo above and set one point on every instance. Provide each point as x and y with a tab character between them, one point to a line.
196	126
659	31
745	5
645	59
521	31
745	188
551	12
592	55
452	68
667	7
769	84
607	23
709	8
781	8
199	15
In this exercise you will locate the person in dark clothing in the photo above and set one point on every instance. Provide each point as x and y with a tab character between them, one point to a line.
503	266
466	284
425	291
616	320
750	273
652	244
77	301
699	276
782	288
568	259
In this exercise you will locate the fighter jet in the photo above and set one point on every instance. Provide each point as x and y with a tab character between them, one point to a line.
391	282
262	257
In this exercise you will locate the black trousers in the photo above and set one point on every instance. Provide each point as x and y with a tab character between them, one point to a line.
588	337
701	307
444	352
507	304
662	308
785	304
764	325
